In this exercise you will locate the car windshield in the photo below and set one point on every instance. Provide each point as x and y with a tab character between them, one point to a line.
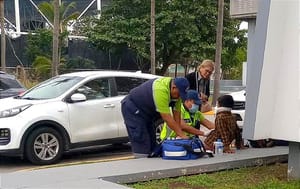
51	88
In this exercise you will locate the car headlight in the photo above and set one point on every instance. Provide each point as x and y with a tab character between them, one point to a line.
13	111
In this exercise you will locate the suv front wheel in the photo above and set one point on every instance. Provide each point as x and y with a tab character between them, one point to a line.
158	125
44	146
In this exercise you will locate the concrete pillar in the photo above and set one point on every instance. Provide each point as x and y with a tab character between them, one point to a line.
294	160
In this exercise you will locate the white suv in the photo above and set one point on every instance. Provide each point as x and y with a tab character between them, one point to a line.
239	106
69	111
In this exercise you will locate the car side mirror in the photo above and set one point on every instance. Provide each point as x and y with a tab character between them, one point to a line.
78	97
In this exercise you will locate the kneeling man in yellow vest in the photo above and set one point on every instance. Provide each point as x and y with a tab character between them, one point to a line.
191	118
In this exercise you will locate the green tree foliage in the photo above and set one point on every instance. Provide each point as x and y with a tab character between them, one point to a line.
65	13
42	66
185	30
39	44
65	16
80	63
234	71
124	25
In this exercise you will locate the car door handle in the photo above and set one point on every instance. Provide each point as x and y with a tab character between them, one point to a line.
109	106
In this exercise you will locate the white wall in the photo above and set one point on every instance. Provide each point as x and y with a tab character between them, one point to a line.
278	106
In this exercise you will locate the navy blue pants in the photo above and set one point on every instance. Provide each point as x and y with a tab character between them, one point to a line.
140	128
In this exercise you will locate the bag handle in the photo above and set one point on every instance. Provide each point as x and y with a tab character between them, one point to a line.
198	143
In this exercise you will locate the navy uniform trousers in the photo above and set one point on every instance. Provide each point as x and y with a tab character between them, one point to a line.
140	128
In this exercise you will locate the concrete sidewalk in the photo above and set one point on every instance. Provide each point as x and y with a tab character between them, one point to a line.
113	174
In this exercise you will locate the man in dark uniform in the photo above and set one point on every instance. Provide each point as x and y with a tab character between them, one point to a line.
147	103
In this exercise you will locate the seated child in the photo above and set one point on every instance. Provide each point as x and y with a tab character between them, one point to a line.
226	127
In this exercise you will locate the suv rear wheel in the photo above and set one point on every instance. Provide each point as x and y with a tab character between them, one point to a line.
44	146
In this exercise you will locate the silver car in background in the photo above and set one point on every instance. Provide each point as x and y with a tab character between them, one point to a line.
9	85
238	109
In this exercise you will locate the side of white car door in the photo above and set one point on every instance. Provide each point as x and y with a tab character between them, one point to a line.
124	85
94	119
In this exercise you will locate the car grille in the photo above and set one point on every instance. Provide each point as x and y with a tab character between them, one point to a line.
239	105
4	136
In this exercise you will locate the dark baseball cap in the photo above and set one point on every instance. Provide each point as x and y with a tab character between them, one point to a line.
183	85
193	95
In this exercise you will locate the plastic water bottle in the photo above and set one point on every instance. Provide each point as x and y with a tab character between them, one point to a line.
219	147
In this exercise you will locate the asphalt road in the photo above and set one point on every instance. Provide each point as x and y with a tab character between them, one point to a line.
101	153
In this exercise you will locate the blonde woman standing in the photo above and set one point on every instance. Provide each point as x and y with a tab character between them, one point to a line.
200	81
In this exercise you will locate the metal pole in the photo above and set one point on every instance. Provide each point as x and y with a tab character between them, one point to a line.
99	8
3	42
99	5
218	51
152	43
17	15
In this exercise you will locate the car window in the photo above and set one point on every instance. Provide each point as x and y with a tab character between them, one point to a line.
96	89
52	88
125	84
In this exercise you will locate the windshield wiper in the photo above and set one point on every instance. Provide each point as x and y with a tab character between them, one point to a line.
30	98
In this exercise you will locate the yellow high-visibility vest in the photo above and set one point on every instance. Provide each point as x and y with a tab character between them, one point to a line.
190	119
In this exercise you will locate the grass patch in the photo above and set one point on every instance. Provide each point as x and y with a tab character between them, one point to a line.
263	177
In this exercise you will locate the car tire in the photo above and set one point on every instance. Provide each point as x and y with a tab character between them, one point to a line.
44	146
158	125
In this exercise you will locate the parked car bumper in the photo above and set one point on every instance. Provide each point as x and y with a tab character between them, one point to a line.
10	132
